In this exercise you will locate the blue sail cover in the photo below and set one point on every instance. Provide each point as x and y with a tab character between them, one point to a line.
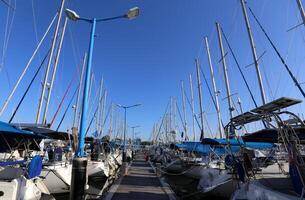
220	146
35	167
238	143
195	146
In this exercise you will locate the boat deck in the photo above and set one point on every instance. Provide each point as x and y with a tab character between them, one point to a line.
141	182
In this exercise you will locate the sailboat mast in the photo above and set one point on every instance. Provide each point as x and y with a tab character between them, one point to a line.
225	71
170	114
98	121
193	107
49	62
184	111
301	8
103	113
200	98
254	54
79	91
174	117
54	71
110	121
240	106
214	86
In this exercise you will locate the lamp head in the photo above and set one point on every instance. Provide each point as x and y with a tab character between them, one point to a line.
72	15
133	13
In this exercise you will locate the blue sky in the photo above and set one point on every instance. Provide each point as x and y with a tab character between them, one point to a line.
144	60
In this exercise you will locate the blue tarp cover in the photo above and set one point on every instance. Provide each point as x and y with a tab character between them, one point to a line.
8	163
238	142
220	146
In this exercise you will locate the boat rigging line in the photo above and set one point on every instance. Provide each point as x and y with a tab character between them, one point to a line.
239	68
29	86
63	98
67	108
26	67
279	55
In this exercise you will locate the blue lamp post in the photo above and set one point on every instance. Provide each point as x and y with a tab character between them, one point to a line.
132	13
79	171
125	124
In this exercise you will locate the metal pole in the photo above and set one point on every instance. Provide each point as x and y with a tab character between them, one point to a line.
110	121
124	147
240	107
300	5
225	71
259	77
80	150
184	111
79	91
98	119
103	112
90	87
200	98
214	87
26	67
79	165
54	70
193	107
170	115
175	121
49	62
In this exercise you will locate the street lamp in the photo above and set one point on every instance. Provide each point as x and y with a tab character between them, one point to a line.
79	172
125	111
133	134
131	14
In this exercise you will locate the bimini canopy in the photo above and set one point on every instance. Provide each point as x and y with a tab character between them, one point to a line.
12	138
237	143
271	135
56	135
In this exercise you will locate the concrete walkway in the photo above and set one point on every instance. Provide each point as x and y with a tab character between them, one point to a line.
140	183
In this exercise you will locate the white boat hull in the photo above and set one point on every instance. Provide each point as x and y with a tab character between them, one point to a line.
57	178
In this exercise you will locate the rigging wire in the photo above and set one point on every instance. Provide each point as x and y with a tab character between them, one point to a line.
35	25
180	115
63	98
67	108
29	86
279	55
159	129
7	35
189	102
239	68
9	5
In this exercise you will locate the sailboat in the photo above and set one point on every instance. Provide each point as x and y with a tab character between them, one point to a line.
284	178
20	172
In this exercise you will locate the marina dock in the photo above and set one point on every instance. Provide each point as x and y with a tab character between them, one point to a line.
140	182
